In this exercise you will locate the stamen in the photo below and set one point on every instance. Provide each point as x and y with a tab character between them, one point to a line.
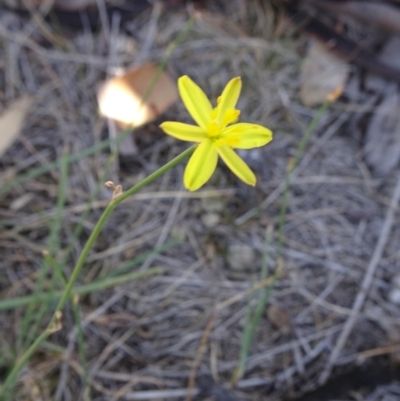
230	117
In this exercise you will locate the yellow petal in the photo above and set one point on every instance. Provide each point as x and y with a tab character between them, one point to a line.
237	165
184	132
201	166
230	95
246	136
195	100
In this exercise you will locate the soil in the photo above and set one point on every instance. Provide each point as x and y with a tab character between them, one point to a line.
330	330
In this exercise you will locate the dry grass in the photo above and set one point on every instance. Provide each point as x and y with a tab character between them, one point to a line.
143	339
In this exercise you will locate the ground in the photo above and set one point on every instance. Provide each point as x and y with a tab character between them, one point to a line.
331	311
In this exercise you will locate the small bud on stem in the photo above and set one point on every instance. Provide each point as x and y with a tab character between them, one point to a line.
335	94
57	324
117	189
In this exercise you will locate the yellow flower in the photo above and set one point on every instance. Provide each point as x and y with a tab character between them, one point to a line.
216	133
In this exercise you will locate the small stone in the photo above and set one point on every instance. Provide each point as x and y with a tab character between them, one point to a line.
22	201
394	296
210	220
212	204
241	257
394	293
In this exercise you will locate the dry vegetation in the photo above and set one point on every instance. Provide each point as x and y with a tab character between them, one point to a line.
145	338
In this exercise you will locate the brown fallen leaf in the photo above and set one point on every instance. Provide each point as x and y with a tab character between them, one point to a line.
321	74
382	139
125	98
277	316
133	99
12	120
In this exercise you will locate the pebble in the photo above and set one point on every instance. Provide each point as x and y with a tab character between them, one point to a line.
394	293
210	220
213	204
394	296
241	257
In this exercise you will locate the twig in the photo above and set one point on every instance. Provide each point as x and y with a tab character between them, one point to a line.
366	284
151	32
104	20
158	394
199	355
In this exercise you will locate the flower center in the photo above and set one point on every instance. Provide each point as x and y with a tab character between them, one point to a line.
230	117
218	123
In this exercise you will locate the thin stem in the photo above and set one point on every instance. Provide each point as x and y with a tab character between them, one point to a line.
174	162
292	165
252	320
81	261
97	285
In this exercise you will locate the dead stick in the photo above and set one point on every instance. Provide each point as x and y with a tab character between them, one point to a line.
199	355
366	284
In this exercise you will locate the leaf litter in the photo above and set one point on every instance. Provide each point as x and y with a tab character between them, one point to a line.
142	338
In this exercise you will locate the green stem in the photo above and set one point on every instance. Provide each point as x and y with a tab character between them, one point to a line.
253	320
81	261
292	165
79	290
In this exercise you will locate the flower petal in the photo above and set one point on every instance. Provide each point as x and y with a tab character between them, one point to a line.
246	136
184	132
229	97
237	165
201	166
195	100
